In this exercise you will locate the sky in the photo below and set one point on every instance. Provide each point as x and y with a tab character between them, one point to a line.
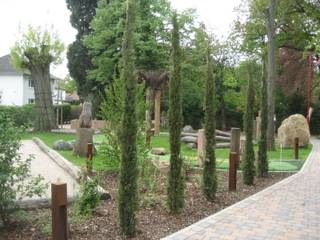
18	14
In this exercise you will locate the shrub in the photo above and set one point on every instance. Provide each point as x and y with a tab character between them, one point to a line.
20	115
89	198
66	110
15	178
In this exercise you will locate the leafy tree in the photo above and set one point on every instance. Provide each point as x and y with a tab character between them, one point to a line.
209	171
248	162
35	51
15	181
68	84
152	40
79	61
128	189
262	161
176	178
272	71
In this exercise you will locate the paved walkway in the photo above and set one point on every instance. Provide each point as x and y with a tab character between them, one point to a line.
288	210
42	164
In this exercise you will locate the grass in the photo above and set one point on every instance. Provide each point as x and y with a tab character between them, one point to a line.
287	162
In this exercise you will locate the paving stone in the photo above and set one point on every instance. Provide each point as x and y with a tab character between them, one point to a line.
287	210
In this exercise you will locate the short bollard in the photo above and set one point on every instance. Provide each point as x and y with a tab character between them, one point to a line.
296	148
59	211
89	158
235	142
233	159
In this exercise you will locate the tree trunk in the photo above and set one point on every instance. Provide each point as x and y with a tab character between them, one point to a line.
272	72
45	119
148	117
157	111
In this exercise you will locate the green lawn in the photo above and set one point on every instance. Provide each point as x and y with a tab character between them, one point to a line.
287	163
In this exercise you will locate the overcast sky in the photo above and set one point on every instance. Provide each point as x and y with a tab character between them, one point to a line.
218	15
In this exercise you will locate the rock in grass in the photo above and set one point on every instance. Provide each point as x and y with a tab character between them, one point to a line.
292	127
188	129
189	139
62	145
158	151
192	145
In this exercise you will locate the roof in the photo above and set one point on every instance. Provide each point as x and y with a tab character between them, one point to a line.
6	67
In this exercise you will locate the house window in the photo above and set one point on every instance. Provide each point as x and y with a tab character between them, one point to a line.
30	83
31	101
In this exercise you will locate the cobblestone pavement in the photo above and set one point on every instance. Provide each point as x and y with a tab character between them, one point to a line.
288	210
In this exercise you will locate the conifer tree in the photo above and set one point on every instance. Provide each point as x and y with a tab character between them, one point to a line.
209	171
262	168
248	163
128	190
176	178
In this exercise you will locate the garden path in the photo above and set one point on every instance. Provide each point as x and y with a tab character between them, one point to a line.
43	165
289	209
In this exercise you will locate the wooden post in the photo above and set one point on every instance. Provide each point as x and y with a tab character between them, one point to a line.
89	158
296	148
157	109
59	211
201	147
233	159
235	142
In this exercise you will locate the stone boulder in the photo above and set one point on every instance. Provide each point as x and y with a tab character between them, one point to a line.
192	145
158	151
62	145
188	129
189	139
292	127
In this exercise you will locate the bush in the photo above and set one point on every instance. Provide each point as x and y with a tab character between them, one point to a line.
66	110
20	115
90	197
15	178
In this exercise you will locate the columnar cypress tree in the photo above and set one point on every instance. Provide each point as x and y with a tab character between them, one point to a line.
248	164
176	178
128	190
209	171
262	168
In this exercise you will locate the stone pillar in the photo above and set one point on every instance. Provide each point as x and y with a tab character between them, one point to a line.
201	147
157	109
83	137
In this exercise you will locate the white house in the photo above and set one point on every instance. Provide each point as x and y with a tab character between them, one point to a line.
16	88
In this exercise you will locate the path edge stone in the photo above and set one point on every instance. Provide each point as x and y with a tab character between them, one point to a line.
67	166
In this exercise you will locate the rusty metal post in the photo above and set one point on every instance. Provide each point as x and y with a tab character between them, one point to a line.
59	211
233	159
235	142
296	148
89	157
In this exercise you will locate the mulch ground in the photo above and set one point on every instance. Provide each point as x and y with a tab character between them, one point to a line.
154	219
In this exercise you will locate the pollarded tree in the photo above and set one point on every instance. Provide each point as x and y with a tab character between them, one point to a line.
176	178
34	52
209	171
128	189
248	162
262	161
